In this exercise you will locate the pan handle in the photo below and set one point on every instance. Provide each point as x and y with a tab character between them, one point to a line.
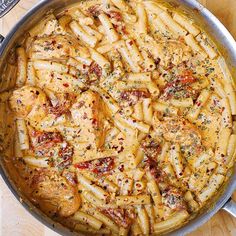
6	6
230	207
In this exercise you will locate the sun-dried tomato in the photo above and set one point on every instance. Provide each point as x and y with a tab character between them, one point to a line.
133	96
155	170
96	69
44	140
94	10
100	166
119	215
64	156
70	176
63	105
180	87
115	15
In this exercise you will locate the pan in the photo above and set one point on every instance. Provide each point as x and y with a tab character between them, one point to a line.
213	27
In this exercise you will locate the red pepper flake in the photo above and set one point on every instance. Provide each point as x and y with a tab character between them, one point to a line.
115	15
198	104
100	166
66	85
131	42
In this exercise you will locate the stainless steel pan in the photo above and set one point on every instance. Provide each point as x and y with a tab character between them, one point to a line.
212	26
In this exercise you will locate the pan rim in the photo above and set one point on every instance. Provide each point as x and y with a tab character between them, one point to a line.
190	226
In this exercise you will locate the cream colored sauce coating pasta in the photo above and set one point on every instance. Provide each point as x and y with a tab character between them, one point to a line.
123	115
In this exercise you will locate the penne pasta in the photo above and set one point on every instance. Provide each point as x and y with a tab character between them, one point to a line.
31	75
229	90
226	113
22	134
191	42
87	219
82	34
176	160
106	221
172	25
203	158
166	109
214	183
133	200
134	51
195	110
155	192
187	102
189	26
176	219
147	110
221	148
231	149
108	27
37	162
153	7
89	197
96	190
143	219
206	46
148	63
138	111
90	30
121	47
121	5
142	19
133	123
21	67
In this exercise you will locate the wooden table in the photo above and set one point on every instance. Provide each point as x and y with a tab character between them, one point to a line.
16	221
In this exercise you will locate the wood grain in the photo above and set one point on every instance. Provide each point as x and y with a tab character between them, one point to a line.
16	221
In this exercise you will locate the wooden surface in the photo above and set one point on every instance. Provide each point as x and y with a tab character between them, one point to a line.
16	221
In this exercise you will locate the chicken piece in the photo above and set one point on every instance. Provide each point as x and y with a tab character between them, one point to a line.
49	25
151	146
27	98
51	145
57	47
88	116
173	198
173	52
179	130
54	193
210	124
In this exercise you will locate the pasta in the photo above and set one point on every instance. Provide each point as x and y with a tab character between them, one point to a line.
120	114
